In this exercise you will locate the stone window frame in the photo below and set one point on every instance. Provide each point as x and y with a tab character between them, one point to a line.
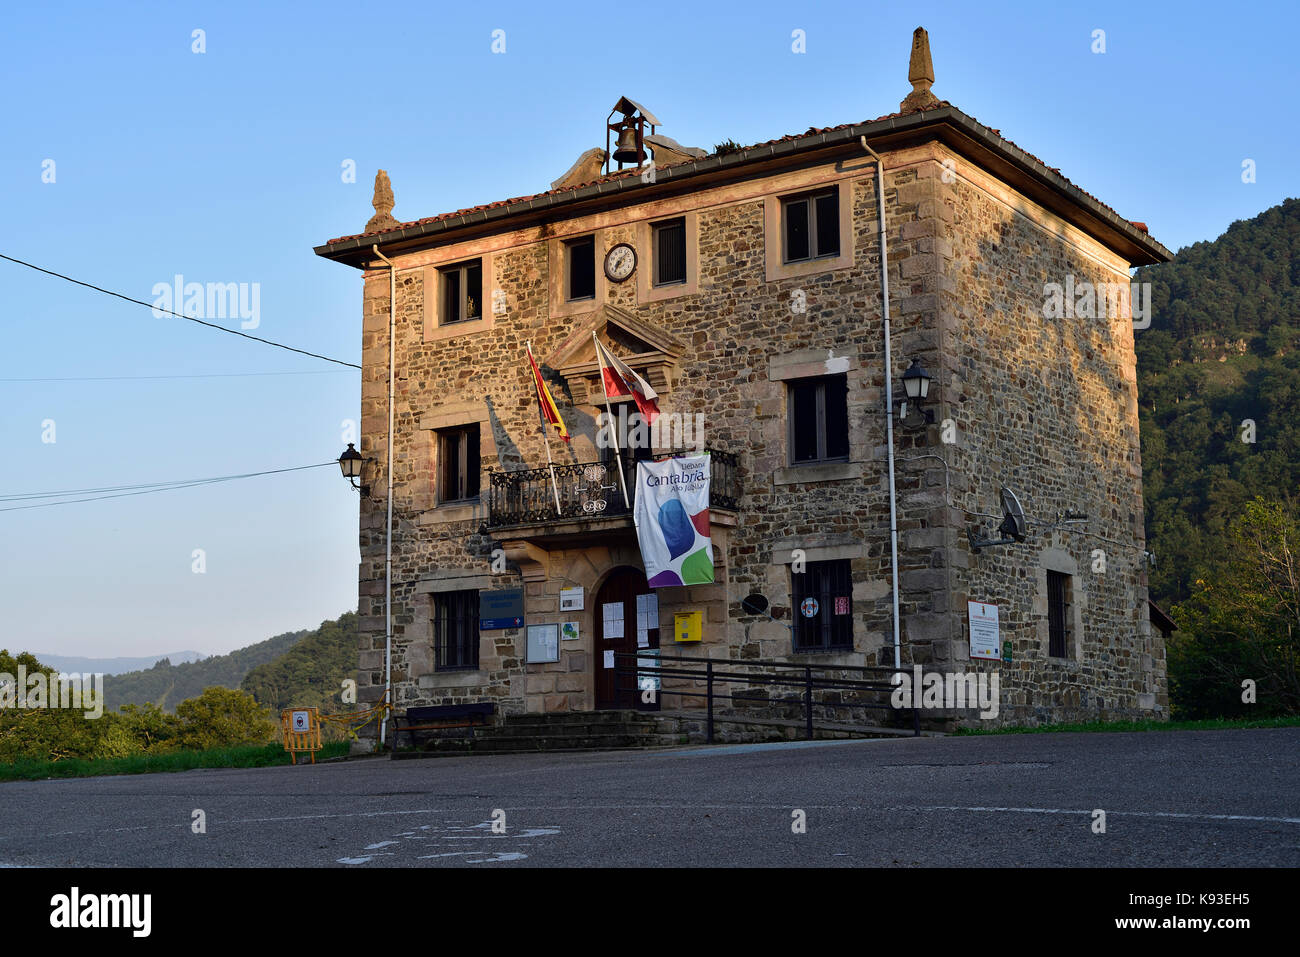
1058	560
429	678
774	234
434	328
646	290
557	274
436	420
810	364
836	549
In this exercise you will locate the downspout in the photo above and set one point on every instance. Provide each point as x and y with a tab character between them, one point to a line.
889	392
388	536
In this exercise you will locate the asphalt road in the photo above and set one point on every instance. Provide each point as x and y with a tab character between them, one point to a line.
1205	798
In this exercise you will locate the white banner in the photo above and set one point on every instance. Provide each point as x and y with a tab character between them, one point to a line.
672	521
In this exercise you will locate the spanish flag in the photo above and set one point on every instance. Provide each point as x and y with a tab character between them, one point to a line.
550	412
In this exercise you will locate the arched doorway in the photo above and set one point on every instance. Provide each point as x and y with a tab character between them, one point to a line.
617	628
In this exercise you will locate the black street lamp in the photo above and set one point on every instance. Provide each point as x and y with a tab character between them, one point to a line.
350	465
916	387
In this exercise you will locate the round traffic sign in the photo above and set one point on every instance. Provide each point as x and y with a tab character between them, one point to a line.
809	607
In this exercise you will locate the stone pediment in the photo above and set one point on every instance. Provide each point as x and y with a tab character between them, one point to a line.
649	350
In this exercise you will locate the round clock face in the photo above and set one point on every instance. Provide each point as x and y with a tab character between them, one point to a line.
619	262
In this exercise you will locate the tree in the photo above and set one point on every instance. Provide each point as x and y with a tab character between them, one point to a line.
1243	620
220	718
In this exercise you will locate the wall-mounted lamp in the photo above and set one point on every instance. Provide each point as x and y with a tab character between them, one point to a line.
916	388
350	463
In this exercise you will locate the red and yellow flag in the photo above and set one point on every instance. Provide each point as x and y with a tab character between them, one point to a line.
550	411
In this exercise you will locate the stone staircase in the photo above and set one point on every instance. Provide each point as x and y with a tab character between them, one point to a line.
615	730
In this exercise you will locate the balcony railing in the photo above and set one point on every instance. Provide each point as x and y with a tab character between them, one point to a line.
590	490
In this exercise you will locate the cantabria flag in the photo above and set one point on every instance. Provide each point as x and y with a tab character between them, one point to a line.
672	521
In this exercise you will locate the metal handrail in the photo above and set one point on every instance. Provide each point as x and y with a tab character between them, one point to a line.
711	675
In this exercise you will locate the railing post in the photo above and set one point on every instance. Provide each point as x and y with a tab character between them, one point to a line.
807	679
708	673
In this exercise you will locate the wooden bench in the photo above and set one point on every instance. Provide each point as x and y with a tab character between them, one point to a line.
439	718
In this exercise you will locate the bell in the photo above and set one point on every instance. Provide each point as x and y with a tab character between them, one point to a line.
626	150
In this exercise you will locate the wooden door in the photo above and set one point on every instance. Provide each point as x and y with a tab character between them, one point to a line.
616	630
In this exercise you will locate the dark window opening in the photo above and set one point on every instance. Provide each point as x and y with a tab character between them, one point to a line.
819	420
581	256
462	292
455	630
811	226
823	606
1058	615
458	464
670	252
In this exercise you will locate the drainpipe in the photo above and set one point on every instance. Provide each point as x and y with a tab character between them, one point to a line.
889	390
388	536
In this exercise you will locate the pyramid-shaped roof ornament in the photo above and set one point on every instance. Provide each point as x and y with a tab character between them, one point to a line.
920	73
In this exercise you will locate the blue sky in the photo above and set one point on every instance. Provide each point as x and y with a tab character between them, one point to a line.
226	166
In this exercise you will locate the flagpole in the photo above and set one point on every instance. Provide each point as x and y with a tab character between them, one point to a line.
546	434
613	429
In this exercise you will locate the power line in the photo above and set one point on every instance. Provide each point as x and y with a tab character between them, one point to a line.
199	375
140	489
178	315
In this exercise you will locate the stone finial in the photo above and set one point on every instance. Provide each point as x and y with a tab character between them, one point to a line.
920	73
383	203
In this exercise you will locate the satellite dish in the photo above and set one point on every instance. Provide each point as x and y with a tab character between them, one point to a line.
1013	529
1013	520
754	604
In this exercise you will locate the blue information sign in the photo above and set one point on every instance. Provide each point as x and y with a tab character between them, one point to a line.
503	608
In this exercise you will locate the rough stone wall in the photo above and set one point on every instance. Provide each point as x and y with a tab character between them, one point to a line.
965	278
1048	407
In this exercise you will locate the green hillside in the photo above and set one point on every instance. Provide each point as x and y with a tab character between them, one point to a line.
1223	348
1219	400
166	685
311	672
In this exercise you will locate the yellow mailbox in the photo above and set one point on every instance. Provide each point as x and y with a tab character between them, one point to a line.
688	626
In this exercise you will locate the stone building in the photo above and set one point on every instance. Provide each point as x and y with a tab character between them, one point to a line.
755	308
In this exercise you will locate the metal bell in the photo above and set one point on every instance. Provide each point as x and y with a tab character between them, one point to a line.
626	151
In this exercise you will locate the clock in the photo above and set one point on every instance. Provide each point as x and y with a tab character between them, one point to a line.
620	261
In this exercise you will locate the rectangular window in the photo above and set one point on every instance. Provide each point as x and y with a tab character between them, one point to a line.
458	464
580	268
818	420
811	225
823	606
670	252
462	292
1058	615
455	630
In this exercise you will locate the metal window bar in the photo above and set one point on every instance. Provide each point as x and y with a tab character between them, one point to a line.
1057	607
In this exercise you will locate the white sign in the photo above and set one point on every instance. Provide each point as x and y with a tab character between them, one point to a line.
302	721
543	643
612	617
571	599
609	659
984	642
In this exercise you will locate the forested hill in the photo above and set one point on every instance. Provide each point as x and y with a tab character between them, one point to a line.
1219	364
311	673
166	685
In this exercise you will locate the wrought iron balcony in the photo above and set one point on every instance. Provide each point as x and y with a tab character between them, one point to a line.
590	490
